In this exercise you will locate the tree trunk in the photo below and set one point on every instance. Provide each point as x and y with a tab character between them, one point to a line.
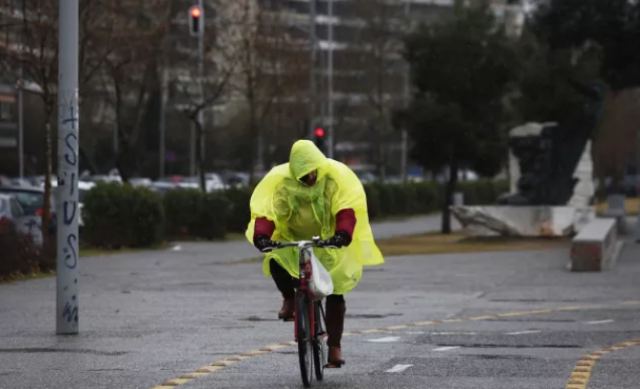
200	140
450	188
46	206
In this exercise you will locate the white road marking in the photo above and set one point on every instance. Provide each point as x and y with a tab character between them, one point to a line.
446	348
386	339
414	332
176	248
600	321
453	333
398	369
524	332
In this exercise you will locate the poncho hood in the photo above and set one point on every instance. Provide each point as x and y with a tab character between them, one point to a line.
305	157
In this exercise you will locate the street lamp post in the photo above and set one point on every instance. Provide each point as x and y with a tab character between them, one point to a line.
196	26
312	65
330	79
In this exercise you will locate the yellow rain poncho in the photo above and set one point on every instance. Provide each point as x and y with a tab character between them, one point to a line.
300	212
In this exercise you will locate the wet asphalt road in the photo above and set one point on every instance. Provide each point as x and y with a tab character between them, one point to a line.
486	320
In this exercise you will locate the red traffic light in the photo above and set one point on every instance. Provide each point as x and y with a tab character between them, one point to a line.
319	132
196	20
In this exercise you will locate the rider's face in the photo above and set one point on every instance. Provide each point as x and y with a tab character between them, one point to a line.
310	179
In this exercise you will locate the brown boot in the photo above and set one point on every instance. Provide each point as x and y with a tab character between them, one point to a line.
335	358
287	310
336	309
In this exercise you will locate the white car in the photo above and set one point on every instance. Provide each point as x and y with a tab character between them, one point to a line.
12	216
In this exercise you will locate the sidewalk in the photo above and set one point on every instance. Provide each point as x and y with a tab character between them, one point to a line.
240	249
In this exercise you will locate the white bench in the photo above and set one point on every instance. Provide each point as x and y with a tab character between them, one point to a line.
596	246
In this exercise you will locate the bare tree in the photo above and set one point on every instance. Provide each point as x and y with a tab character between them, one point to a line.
202	91
379	59
30	31
268	72
129	71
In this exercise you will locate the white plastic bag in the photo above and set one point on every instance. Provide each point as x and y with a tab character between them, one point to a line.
320	284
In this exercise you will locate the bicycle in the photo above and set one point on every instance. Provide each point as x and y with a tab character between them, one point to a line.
309	318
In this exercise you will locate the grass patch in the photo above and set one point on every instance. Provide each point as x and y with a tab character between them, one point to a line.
631	205
25	277
435	243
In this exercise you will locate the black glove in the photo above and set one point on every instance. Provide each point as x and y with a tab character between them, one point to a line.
264	244
338	240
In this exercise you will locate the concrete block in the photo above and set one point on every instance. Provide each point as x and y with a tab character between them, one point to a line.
596	246
527	221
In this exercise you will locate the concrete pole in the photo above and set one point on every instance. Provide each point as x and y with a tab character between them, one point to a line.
201	138
67	192
330	80
312	66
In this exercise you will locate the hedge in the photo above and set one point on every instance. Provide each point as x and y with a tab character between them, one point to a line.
20	255
120	215
117	215
190	212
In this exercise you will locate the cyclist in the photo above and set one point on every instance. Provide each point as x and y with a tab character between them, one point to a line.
313	195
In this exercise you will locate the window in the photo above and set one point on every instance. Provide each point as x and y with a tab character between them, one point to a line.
6	111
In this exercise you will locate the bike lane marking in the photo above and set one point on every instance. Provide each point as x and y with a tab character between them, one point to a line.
398	368
446	348
596	322
387	339
220	364
581	374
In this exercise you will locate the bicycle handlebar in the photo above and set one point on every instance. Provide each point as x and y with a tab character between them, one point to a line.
314	242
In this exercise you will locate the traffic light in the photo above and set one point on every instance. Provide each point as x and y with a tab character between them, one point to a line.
196	20
319	136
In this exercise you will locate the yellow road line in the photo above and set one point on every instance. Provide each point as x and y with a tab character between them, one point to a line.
578	380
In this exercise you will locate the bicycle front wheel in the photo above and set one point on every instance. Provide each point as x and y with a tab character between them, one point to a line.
319	346
304	338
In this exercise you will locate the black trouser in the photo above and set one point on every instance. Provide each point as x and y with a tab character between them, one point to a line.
335	306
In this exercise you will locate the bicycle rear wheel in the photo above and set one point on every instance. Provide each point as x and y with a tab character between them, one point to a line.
319	346
305	342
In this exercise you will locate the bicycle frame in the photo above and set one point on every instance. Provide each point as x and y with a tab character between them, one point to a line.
309	315
304	271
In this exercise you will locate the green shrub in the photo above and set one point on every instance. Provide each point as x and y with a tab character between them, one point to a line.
484	191
147	218
21	256
190	212
373	200
181	207
239	214
214	217
428	196
117	215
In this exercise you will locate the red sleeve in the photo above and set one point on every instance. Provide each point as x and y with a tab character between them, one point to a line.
346	221
263	227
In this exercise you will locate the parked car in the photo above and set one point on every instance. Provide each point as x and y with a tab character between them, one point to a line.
10	212
31	201
162	186
213	181
234	179
140	181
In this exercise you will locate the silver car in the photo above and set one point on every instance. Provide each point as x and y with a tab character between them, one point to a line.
31	201
10	213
